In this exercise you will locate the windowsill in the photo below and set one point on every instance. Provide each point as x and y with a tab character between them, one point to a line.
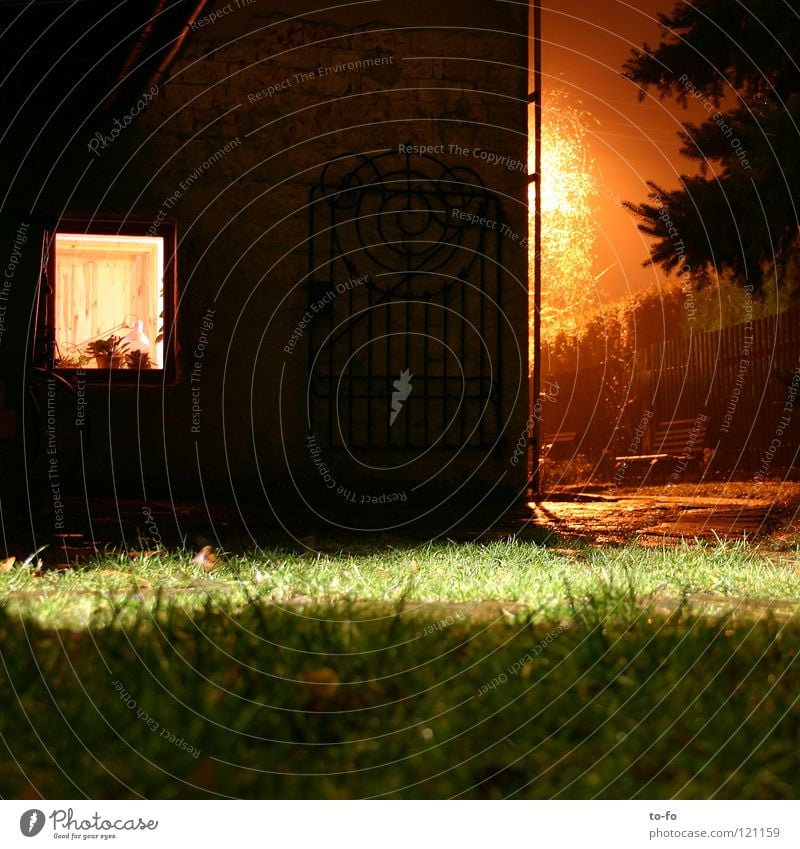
118	377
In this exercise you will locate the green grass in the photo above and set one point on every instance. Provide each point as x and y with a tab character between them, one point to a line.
331	678
513	571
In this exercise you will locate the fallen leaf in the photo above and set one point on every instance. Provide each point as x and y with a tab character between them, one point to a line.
322	684
206	557
27	790
310	542
204	774
322	675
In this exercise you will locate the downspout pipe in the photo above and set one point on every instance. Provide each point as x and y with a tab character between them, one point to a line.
163	67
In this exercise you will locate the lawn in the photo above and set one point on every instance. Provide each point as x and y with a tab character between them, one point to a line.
511	668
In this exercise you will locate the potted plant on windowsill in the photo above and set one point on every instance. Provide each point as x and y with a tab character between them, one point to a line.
138	360
107	353
72	359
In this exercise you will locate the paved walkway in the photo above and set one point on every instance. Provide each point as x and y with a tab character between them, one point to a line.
655	519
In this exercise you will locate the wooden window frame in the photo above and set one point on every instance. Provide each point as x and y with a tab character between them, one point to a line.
110	227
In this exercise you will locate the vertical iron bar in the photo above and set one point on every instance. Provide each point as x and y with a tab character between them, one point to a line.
445	383
481	410
348	375
426	309
463	327
407	363
311	406
329	378
496	387
388	308
537	242
370	440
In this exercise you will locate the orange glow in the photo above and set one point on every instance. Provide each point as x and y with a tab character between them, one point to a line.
106	285
569	195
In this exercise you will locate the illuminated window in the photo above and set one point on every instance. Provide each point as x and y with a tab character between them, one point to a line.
110	299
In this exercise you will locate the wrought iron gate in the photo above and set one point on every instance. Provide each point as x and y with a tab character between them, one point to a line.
404	300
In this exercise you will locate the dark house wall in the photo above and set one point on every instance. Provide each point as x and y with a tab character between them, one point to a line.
229	146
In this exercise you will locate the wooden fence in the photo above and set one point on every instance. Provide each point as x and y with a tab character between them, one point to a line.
745	381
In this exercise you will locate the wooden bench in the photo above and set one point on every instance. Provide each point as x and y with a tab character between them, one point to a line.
554	443
678	444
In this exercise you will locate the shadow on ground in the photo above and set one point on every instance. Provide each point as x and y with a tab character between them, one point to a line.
650	516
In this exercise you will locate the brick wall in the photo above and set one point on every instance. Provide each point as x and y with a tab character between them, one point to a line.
229	149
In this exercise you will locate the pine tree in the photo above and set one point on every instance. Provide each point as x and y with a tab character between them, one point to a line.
741	61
